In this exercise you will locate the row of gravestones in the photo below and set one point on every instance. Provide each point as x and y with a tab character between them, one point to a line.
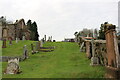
111	52
13	62
34	49
21	58
10	41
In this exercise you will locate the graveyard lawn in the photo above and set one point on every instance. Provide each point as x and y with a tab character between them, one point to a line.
66	61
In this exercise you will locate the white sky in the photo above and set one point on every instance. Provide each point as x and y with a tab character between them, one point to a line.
61	18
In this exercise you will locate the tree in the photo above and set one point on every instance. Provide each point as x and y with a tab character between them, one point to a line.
33	28
34	25
102	32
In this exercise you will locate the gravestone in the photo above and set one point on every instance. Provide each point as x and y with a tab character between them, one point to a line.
88	52
4	43
94	61
45	37
41	43
113	56
23	38
12	67
37	46
25	52
16	40
32	48
10	42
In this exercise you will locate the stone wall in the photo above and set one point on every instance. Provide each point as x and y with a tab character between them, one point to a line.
99	49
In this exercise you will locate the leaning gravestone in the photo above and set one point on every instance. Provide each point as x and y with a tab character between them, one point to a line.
13	66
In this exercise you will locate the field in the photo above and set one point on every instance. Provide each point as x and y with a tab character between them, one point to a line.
66	61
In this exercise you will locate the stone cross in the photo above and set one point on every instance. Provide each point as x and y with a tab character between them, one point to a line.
4	43
13	66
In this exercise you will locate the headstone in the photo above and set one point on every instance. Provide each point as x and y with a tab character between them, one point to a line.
16	40
25	52
23	38
51	39
13	66
10	42
37	46
41	43
45	37
88	52
113	56
32	48
4	43
94	61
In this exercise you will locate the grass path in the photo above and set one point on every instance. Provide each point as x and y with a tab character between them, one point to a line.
65	62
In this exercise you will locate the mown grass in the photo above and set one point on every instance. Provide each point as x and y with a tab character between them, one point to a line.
66	61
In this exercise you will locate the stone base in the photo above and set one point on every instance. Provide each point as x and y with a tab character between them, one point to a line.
112	73
94	61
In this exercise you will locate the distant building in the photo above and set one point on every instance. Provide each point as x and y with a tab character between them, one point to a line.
14	30
69	40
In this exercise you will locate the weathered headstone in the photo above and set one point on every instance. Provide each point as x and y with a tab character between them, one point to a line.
94	59
25	52
12	67
4	43
88	49
51	38
23	38
32	47
16	40
41	43
10	42
45	37
37	46
113	56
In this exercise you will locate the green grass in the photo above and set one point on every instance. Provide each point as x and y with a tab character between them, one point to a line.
66	61
16	49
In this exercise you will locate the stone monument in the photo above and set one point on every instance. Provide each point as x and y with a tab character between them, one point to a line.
113	56
12	67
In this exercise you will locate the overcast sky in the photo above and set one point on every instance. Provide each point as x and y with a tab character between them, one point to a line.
61	18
